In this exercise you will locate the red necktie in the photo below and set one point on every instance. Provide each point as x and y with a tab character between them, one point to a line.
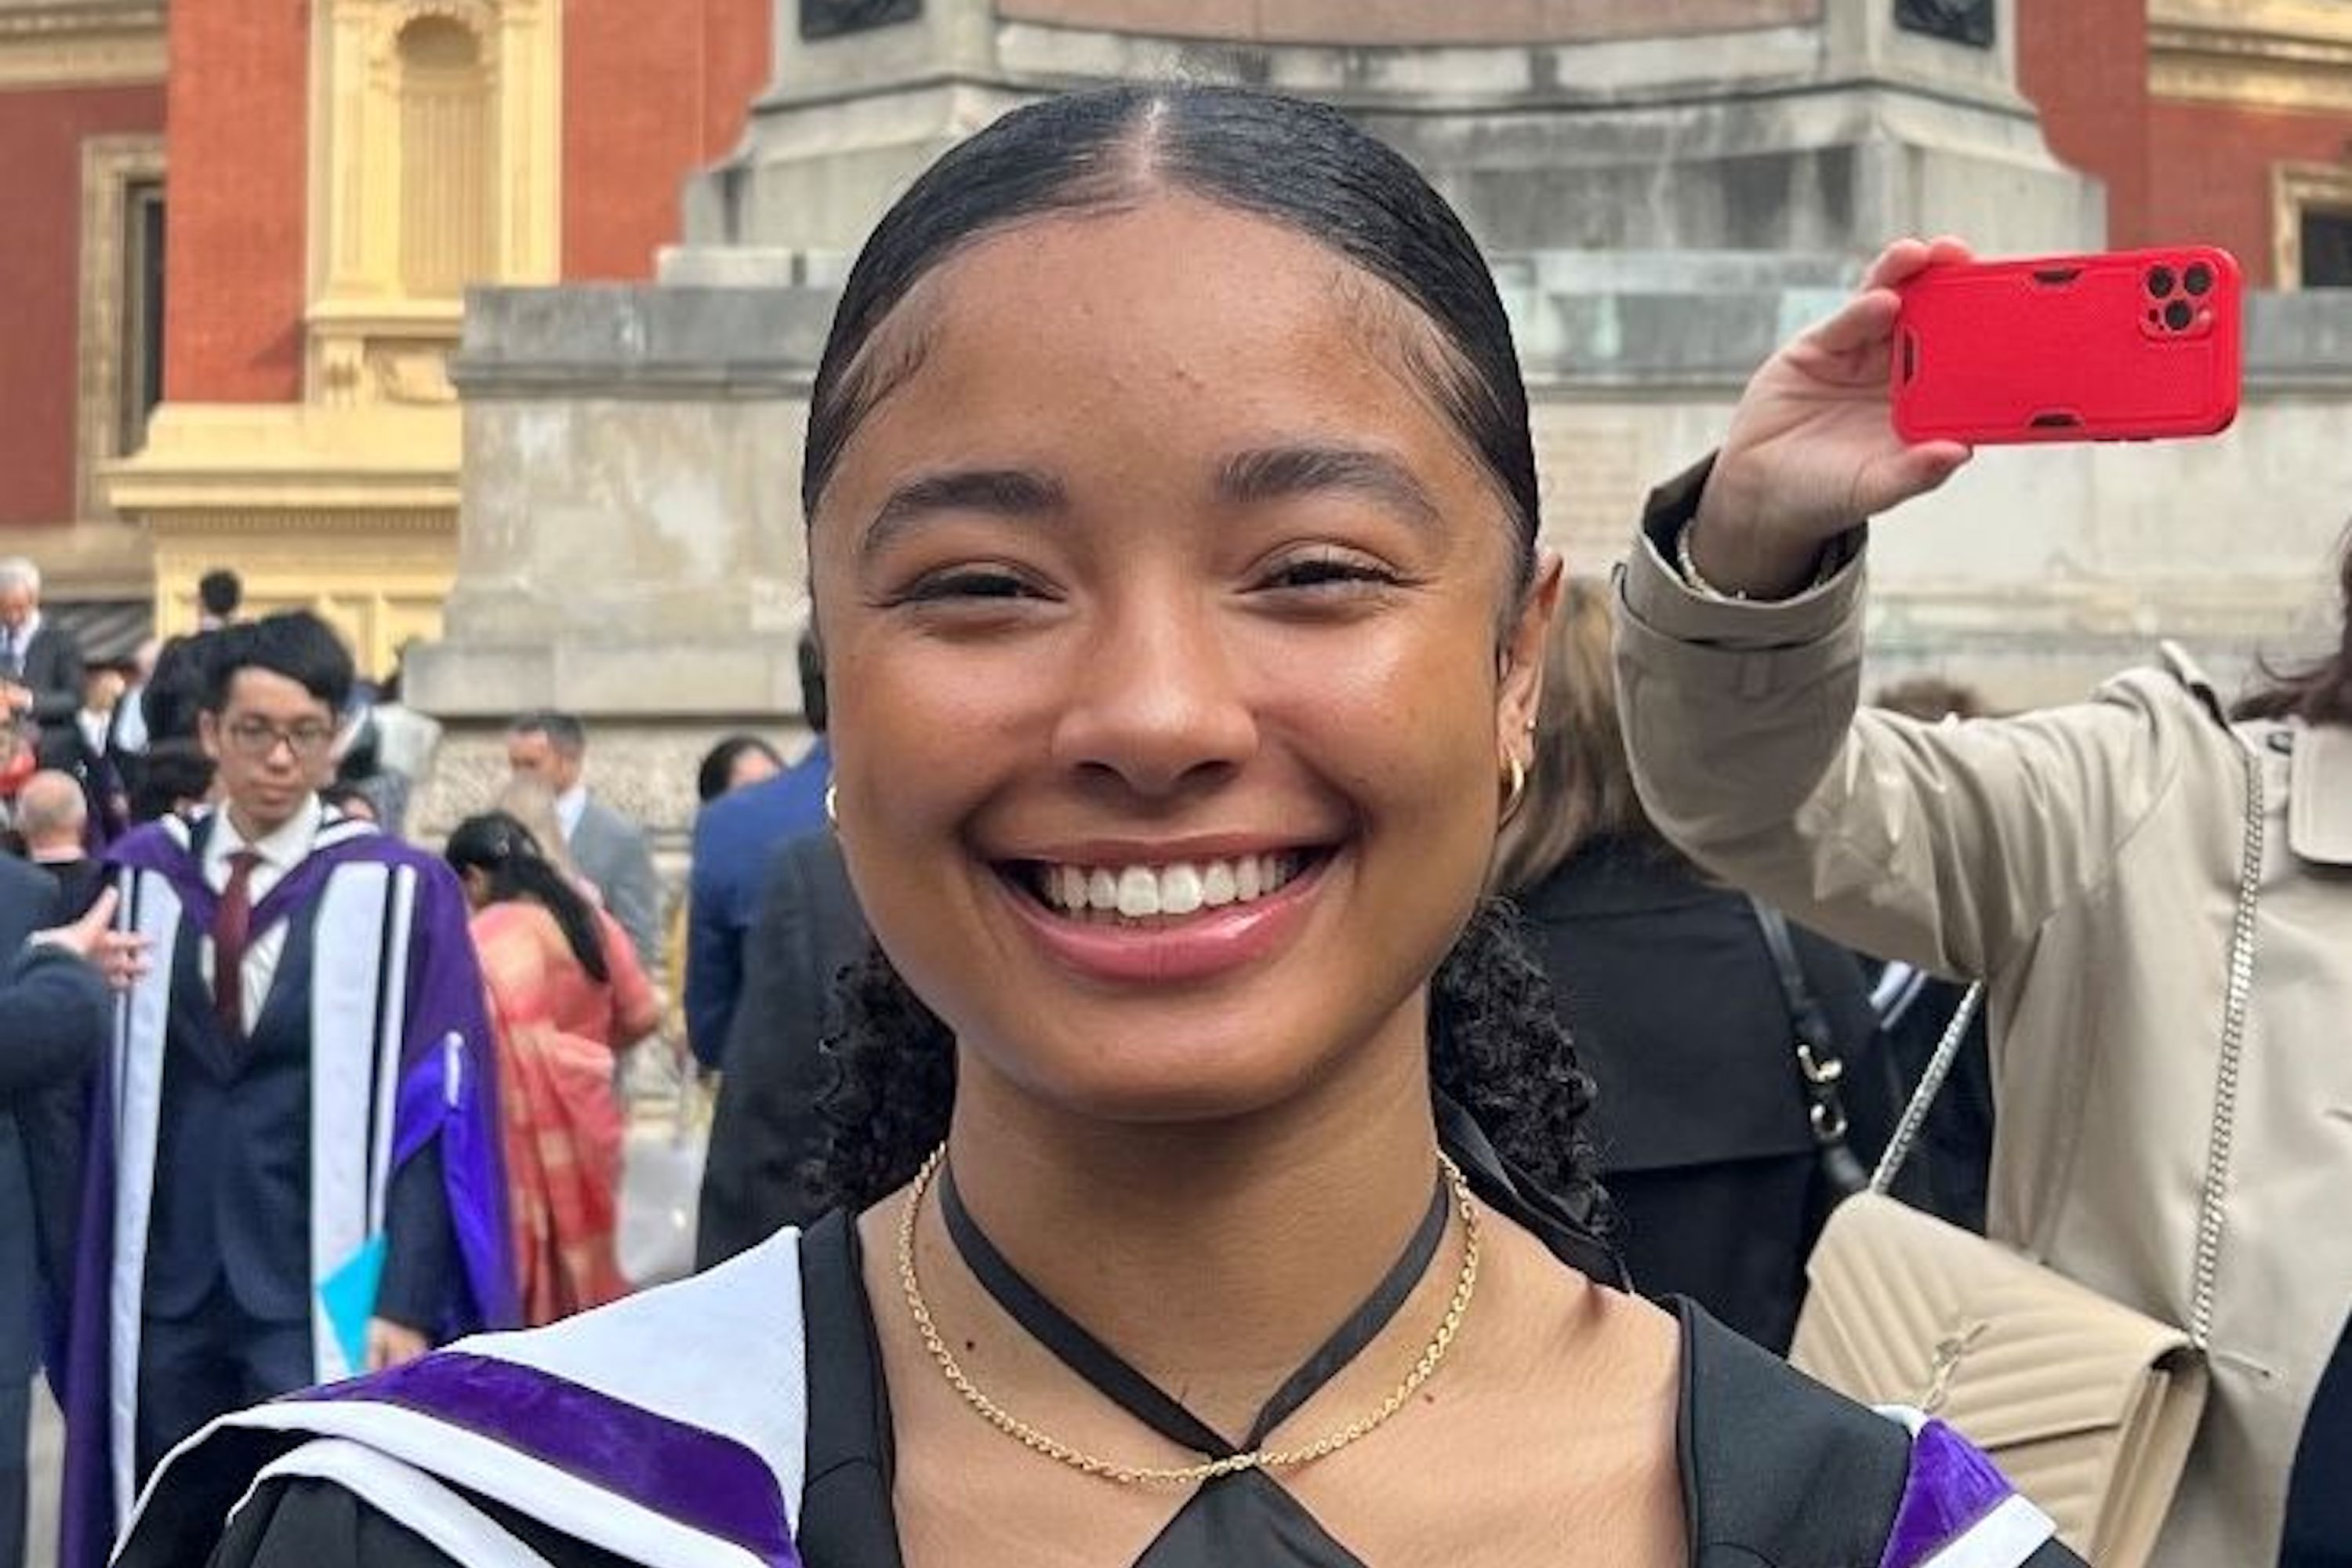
231	924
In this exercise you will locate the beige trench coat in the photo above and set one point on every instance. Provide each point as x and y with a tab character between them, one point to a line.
2085	862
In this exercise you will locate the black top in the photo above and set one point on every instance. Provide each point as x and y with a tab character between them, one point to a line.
1669	992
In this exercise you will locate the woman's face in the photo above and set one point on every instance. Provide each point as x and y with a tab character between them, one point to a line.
1174	654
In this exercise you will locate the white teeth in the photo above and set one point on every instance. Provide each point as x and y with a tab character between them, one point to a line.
1138	892
1180	890
1183	887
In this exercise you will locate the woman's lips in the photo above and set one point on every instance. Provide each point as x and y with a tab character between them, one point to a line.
1165	923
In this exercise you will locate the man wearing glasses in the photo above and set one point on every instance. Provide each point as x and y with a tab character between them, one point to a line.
299	1178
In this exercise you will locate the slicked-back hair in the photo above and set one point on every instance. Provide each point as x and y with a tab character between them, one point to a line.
295	644
1298	164
564	731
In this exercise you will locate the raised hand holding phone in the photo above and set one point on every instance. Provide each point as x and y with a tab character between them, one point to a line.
1811	451
2124	346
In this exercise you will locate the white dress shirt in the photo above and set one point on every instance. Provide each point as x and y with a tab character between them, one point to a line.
569	806
281	852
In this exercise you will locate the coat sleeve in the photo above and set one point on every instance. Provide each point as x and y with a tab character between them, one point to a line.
1944	845
56	1005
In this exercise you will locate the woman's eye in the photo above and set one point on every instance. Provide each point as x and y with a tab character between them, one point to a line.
947	587
1332	571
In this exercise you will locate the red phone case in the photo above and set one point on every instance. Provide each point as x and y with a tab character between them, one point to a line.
2125	345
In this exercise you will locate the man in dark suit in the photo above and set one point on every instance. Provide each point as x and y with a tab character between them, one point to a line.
55	1003
734	839
40	663
611	851
810	929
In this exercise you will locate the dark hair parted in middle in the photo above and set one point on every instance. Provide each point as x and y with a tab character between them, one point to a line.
510	860
1301	165
1497	1044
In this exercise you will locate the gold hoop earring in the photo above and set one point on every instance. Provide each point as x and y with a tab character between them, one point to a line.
1515	789
832	810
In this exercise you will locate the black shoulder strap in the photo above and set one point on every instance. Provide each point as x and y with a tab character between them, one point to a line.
1806	1016
1775	1466
1819	1069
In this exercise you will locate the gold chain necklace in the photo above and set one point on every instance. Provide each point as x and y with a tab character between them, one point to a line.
1256	1458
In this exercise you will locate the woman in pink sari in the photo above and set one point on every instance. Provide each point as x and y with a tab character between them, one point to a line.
565	988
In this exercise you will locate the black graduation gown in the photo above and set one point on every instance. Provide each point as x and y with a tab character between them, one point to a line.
1777	1473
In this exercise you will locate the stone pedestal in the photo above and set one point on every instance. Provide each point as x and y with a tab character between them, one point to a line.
630	537
1807	125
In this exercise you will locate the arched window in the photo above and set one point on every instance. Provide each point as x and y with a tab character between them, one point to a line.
447	153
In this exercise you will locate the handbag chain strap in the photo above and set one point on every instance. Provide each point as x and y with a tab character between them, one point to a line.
1931	1083
2222	1140
2235	1000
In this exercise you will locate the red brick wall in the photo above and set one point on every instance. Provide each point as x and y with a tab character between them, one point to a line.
2084	64
41	134
2212	166
643	107
238	191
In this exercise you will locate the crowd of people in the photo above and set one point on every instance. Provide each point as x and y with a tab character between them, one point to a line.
1273	1024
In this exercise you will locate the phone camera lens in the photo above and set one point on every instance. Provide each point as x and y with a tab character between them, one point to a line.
2179	315
2159	282
2198	279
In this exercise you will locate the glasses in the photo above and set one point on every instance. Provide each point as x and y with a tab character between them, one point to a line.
258	738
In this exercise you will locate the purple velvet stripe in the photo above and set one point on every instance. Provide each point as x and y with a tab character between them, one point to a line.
697	1479
1951	1488
473	1177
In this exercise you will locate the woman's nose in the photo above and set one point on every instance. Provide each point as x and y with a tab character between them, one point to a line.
1155	702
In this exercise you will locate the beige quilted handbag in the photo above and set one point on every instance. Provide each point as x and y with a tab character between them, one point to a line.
2088	1407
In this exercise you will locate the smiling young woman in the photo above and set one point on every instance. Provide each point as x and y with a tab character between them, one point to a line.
1208	1183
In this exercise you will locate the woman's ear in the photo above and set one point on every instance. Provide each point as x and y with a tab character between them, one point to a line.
1521	688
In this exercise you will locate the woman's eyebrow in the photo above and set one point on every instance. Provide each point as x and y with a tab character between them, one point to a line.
1005	493
1276	473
